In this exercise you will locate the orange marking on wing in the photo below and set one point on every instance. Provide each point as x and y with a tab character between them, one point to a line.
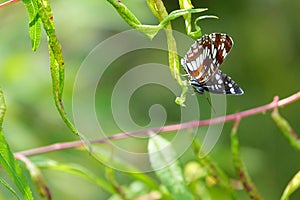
196	72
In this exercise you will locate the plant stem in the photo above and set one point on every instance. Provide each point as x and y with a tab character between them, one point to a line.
67	145
8	3
239	165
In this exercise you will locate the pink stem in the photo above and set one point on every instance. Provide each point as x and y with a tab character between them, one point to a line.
8	2
233	117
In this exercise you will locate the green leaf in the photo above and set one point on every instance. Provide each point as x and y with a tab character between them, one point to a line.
293	185
34	23
197	179
5	184
2	107
106	156
286	130
57	65
163	161
38	179
56	57
178	13
73	169
187	4
197	33
149	30
159	10
7	160
138	190
214	170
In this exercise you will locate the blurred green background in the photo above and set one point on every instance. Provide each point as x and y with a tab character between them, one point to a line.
264	62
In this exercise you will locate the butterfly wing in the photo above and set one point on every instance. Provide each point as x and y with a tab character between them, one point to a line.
220	83
206	55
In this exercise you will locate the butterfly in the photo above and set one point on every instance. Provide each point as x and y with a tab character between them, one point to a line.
202	62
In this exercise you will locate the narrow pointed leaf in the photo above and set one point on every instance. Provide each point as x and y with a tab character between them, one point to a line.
159	10
5	184
187	4
163	160
2	108
37	178
57	65
178	13
148	30
7	160
34	22
74	169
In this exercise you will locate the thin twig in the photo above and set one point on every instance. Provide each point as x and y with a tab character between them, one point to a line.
239	165
8	3
286	129
175	127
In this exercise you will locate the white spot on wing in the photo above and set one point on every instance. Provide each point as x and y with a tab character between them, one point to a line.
222	47
198	62
224	54
194	65
189	66
212	67
195	50
201	60
214	51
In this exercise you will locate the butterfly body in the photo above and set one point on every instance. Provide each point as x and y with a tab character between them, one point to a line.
202	62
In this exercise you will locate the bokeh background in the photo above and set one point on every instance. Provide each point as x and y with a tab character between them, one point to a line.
264	62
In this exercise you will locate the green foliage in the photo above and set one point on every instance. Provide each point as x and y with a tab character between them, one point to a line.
294	142
286	130
214	171
40	12
240	167
152	30
38	179
158	9
5	184
71	168
198	178
102	156
167	168
9	163
2	108
34	22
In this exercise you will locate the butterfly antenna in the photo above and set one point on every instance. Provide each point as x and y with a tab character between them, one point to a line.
209	102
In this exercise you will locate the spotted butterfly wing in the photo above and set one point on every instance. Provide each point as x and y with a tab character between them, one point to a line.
202	61
219	83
